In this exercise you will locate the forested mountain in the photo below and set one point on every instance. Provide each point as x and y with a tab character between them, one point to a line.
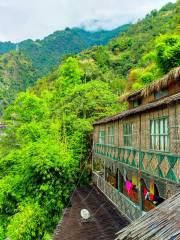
25	62
133	55
16	74
6	47
46	54
46	149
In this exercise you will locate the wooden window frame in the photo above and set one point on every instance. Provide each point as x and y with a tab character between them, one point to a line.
102	137
159	140
128	134
161	94
110	135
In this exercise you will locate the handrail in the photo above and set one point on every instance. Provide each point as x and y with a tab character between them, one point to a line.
161	164
123	204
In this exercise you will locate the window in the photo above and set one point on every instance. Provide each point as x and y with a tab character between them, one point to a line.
136	103
111	135
101	136
159	134
127	132
161	94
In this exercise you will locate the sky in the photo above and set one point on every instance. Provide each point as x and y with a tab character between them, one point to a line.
35	19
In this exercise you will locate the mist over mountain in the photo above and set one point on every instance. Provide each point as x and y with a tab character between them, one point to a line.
106	24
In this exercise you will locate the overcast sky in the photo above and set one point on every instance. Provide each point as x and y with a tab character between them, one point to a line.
22	19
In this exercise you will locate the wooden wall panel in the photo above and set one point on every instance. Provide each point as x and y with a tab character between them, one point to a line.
141	128
121	140
148	99
116	135
95	134
174	88
177	128
172	129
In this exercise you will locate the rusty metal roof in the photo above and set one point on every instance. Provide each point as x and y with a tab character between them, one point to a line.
105	219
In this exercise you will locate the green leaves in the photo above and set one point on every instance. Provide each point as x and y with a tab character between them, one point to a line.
16	74
47	144
48	132
26	108
168	52
26	224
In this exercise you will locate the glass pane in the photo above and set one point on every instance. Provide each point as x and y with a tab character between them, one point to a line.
152	127
161	126
152	142
166	143
161	143
130	140
166	126
125	141
130	130
127	132
156	142
157	127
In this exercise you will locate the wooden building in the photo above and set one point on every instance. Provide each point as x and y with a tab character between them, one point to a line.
136	153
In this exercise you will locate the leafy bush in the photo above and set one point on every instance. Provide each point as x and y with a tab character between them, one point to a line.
168	52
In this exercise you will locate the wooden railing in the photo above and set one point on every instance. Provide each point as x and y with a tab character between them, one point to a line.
124	205
160	164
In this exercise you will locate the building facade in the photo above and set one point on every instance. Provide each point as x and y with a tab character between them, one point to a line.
136	154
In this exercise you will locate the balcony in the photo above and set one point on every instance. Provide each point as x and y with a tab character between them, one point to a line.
159	164
123	204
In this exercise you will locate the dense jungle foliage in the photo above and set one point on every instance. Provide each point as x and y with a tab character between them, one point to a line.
45	148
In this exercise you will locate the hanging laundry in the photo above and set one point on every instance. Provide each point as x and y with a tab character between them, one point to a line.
146	193
134	179
129	186
151	196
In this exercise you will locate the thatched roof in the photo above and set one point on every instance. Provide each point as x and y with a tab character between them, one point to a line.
161	223
156	86
160	103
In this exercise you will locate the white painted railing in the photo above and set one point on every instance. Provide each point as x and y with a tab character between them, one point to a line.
124	204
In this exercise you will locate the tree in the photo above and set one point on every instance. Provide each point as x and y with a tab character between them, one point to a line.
168	52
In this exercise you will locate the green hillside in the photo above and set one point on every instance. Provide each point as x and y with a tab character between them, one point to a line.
133	55
22	64
46	54
16	74
46	150
6	47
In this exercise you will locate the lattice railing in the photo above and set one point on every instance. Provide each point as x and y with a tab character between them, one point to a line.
125	206
160	164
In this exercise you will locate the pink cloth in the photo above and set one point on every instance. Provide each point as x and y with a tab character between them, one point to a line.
129	186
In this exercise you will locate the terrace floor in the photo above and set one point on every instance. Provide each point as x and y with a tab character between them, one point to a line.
105	219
